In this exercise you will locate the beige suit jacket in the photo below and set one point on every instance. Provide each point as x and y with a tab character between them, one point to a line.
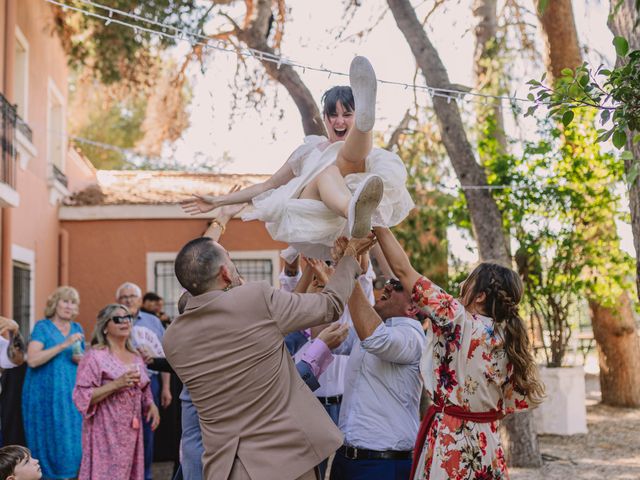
228	348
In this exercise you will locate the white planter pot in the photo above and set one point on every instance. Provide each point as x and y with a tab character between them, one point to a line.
564	411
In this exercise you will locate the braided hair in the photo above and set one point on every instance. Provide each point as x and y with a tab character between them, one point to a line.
503	291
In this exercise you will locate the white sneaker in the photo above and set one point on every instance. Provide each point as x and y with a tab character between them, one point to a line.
364	86
363	204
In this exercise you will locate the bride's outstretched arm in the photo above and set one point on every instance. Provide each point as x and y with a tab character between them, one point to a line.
205	203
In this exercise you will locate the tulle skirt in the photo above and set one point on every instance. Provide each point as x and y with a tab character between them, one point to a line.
309	226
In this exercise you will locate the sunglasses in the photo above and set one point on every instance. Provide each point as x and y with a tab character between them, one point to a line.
395	284
118	319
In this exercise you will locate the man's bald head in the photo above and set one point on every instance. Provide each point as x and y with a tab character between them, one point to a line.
198	264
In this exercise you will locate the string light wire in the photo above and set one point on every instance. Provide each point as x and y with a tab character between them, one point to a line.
181	35
448	94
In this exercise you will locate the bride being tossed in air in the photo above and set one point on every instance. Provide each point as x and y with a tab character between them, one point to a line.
332	186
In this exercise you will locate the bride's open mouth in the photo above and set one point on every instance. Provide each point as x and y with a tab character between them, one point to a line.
340	132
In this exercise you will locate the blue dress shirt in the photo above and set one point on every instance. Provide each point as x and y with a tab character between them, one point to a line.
380	406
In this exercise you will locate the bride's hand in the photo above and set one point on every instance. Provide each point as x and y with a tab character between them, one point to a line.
200	204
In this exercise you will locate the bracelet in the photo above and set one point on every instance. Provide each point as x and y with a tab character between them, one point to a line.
222	226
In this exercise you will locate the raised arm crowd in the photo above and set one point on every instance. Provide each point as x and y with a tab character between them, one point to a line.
276	382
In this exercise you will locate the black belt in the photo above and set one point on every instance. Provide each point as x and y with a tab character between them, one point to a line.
353	453
335	400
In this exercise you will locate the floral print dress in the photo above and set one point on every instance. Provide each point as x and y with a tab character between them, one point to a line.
464	364
112	445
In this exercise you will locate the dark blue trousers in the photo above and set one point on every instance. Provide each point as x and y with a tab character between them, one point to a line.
334	413
147	433
346	469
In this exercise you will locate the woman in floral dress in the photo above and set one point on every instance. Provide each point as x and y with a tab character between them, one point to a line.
477	368
112	392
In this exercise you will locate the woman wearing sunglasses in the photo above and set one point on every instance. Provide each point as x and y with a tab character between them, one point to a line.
112	392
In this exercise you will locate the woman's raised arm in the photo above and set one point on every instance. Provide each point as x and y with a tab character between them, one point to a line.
397	258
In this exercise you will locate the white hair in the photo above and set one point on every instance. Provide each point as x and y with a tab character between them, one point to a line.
128	285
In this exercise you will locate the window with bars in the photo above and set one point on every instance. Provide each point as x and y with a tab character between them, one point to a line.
22	296
255	269
167	286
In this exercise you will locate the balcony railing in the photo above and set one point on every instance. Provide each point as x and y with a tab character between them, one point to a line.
7	133
59	176
24	129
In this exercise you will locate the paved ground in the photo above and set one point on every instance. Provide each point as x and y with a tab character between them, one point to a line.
610	450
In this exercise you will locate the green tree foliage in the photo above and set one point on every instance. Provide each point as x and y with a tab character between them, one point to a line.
561	211
614	93
118	125
117	53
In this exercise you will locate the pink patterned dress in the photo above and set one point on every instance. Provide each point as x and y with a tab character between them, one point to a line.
112	446
464	364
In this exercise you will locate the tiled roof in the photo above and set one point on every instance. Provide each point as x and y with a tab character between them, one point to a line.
144	187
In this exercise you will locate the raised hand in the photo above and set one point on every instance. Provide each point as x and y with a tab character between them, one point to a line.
200	204
334	335
227	212
320	269
354	247
360	246
338	248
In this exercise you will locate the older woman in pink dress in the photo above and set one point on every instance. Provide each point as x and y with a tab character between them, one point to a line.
112	392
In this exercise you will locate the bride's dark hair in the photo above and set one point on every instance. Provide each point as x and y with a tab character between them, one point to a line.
331	97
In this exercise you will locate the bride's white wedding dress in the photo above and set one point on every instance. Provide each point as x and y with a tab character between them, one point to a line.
309	226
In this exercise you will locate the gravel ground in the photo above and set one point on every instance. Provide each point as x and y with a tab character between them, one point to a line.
610	450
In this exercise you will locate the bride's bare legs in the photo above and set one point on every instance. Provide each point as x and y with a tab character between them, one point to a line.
353	154
333	191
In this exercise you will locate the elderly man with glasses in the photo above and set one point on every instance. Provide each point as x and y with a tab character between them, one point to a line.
145	324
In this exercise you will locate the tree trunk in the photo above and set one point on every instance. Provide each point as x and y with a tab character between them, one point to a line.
561	37
520	441
622	25
618	343
486	31
486	219
255	36
559	28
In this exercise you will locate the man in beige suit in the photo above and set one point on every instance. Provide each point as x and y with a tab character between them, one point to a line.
259	420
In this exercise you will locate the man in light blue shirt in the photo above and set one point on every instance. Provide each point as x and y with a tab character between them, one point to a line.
380	407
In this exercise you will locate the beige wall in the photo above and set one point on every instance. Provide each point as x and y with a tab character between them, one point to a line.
35	221
104	254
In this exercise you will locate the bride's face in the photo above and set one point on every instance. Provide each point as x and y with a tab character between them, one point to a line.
339	124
